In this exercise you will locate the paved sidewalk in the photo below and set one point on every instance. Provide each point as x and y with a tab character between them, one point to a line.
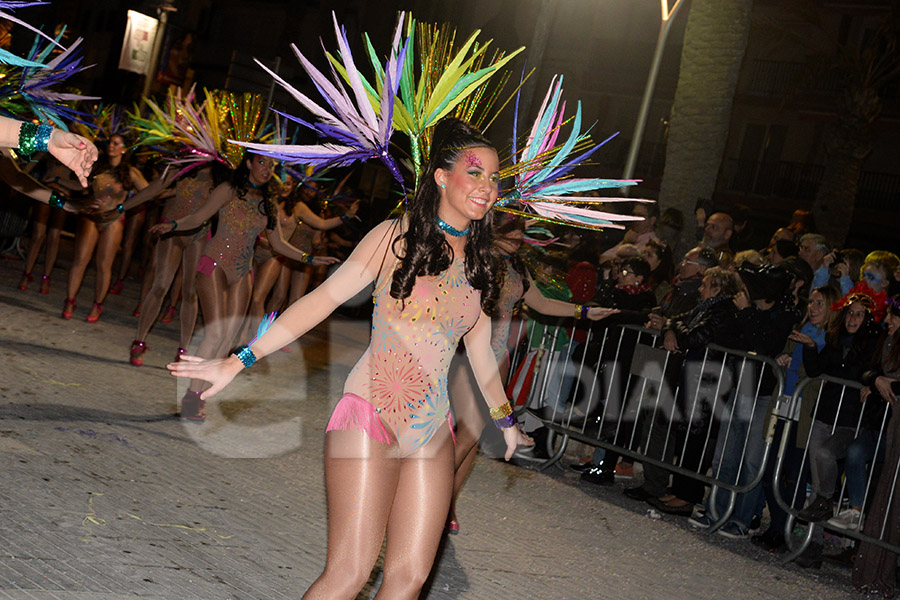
106	496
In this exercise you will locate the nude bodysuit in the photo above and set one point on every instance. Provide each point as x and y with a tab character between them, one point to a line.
231	249
403	373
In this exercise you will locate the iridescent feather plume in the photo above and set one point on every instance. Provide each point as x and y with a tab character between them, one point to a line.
361	129
542	170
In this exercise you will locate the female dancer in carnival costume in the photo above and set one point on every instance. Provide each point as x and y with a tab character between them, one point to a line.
224	281
196	137
517	286
388	453
113	179
542	171
298	224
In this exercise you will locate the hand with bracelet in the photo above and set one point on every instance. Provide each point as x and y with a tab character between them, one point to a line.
74	151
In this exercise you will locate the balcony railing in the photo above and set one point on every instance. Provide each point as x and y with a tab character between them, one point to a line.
777	78
798	181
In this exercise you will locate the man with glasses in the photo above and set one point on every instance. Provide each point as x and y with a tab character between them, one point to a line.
685	293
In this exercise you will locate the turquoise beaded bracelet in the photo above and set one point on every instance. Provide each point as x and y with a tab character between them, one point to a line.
56	201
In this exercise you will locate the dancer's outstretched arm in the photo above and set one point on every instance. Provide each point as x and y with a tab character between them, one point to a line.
360	269
305	214
72	150
484	366
24	183
283	247
217	199
557	308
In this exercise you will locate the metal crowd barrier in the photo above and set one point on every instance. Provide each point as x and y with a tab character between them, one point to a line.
630	396
849	392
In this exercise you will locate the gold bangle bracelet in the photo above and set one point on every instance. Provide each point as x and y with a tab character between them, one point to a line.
500	412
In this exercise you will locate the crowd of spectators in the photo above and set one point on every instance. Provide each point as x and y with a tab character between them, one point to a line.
812	308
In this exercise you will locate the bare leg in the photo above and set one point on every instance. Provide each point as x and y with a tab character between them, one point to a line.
107	246
264	278
134	221
40	217
54	231
361	478
236	302
85	241
280	291
414	530
469	423
168	257
189	307
299	283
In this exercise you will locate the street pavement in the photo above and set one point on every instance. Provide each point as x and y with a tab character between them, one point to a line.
106	496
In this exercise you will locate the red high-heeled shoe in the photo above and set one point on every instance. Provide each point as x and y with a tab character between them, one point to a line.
137	350
26	279
68	308
95	307
116	288
193	408
45	284
168	315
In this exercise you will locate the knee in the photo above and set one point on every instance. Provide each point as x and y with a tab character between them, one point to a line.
405	582
858	455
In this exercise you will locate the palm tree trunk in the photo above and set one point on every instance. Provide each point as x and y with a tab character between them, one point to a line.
715	40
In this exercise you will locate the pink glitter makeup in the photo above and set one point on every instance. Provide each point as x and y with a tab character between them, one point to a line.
472	160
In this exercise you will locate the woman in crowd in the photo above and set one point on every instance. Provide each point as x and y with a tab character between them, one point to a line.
112	180
389	461
180	248
224	280
819	319
849	347
875	567
662	267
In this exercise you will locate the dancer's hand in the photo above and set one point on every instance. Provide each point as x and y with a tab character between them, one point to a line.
324	260
598	312
218	371
515	437
74	151
162	228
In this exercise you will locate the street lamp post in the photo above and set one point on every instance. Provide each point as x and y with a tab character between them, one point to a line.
665	26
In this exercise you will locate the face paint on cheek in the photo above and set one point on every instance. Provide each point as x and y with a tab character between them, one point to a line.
471	160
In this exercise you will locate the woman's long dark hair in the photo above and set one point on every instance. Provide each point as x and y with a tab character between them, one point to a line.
892	360
424	246
838	328
240	181
121	172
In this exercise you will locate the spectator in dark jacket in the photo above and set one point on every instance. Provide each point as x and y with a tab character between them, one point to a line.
713	321
847	353
766	320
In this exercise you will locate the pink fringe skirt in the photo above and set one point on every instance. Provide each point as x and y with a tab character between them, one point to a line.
356	413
